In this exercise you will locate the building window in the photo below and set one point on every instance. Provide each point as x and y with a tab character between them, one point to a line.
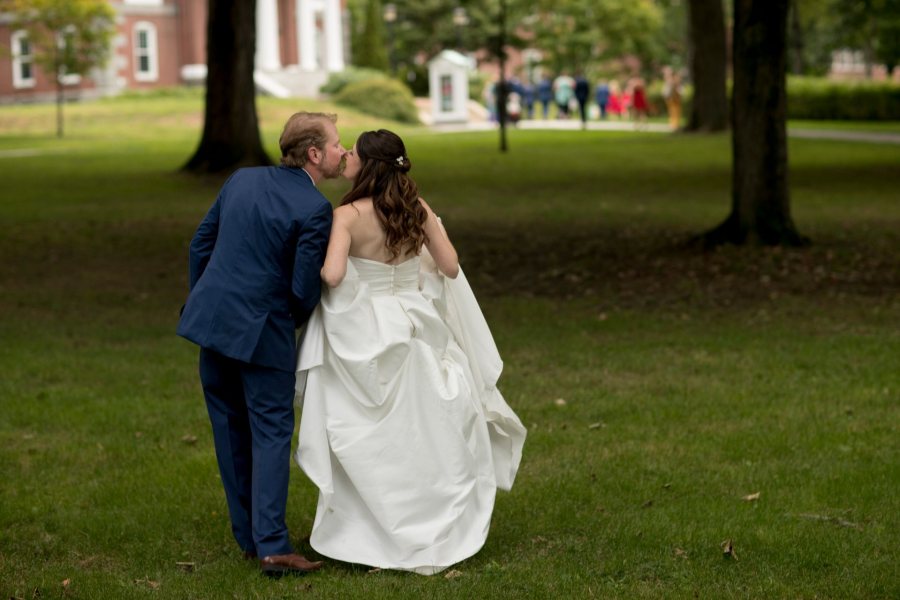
446	93
145	54
23	60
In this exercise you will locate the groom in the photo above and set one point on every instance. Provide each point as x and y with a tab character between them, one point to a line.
254	278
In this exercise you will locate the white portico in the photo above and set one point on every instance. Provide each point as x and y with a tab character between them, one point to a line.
298	43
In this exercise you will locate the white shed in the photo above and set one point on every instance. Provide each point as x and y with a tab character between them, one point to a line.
448	85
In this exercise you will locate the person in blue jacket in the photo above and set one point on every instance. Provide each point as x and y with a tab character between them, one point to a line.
545	95
602	96
254	279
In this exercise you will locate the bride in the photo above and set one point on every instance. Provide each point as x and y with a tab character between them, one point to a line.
403	430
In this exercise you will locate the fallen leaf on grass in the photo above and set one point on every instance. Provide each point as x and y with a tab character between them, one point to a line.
189	439
728	550
679	553
452	574
751	497
597	425
559	402
154	585
65	583
187	567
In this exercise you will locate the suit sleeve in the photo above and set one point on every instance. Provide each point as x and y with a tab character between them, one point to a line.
308	259
203	242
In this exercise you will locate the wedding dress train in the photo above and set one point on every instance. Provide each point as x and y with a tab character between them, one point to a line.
402	429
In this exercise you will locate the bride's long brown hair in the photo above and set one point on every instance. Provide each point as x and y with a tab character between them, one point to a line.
383	177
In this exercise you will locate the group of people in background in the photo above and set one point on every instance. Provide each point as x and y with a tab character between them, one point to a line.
569	94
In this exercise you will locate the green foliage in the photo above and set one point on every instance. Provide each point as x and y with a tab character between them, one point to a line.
372	51
577	33
819	27
386	98
69	36
339	80
477	82
813	98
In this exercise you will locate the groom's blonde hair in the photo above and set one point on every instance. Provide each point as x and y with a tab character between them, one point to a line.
304	130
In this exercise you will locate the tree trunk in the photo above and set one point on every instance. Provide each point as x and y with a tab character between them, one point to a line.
231	128
706	34
60	100
797	44
502	91
760	210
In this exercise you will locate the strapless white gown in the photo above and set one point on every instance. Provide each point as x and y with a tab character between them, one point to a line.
402	429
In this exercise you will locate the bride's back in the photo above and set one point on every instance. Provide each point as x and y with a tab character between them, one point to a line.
367	236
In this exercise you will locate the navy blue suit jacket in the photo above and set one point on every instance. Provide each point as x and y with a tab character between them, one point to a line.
254	266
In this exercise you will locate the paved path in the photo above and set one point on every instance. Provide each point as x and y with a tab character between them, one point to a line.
876	137
19	152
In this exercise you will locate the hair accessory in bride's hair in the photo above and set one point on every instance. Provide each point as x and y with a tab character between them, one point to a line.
400	161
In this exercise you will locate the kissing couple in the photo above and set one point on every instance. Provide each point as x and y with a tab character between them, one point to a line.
403	429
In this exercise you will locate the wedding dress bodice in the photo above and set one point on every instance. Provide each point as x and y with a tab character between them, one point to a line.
385	279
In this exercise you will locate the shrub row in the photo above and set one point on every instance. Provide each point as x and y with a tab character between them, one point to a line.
818	98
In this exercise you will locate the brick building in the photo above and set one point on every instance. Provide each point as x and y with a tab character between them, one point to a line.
160	43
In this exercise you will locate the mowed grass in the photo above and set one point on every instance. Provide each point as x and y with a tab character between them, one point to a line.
660	385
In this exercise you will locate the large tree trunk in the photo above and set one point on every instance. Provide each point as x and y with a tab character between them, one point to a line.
231	128
760	210
796	37
706	35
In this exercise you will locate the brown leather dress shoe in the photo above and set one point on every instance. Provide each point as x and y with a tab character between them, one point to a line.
284	564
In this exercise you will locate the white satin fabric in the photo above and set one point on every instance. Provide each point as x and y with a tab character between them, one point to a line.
403	429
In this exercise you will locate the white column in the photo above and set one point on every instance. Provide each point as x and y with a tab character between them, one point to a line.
306	35
334	33
268	43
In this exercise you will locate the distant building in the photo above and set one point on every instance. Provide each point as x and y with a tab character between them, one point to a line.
160	43
848	63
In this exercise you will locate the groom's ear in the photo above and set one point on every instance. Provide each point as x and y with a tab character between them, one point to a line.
314	155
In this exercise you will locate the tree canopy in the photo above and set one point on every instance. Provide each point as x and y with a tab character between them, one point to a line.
68	37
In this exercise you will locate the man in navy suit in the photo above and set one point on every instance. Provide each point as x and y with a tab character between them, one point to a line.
254	278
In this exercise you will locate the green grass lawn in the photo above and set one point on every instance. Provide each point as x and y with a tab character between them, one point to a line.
660	385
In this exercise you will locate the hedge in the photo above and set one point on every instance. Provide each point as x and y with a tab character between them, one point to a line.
341	79
386	98
820	99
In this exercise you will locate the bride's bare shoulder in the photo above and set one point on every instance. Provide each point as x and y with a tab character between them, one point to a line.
363	204
354	209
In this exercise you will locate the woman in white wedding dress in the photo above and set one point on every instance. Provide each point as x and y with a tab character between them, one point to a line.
403	429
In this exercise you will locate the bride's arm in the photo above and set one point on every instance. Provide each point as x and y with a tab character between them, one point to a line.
335	267
439	245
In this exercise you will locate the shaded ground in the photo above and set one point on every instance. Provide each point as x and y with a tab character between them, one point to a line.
622	268
646	268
